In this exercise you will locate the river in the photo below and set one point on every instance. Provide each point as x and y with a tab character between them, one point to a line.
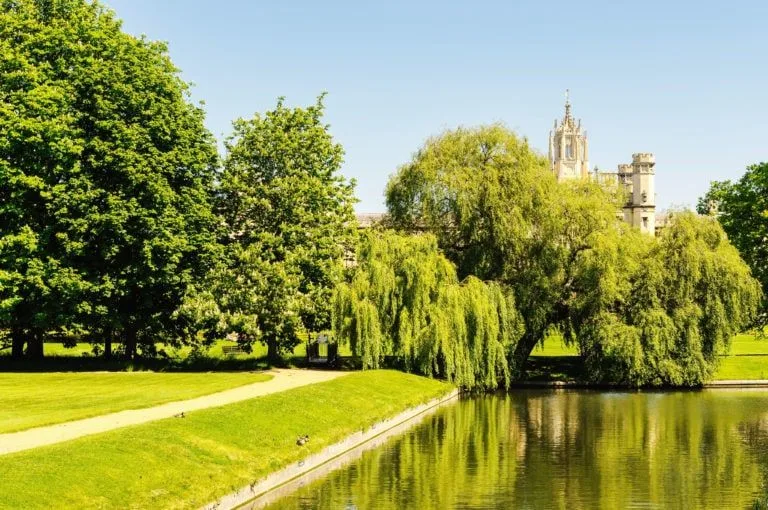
564	449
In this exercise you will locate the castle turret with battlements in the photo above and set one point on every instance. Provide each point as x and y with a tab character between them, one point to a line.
569	159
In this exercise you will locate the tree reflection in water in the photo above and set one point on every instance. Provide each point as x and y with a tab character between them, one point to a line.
565	449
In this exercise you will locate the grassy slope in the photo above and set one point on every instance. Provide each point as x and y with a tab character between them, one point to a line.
31	400
748	359
185	463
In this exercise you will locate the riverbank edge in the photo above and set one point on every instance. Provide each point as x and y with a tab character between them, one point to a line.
738	383
285	475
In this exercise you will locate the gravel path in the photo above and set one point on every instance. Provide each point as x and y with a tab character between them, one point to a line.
33	438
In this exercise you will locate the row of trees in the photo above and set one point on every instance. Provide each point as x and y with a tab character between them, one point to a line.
642	311
118	221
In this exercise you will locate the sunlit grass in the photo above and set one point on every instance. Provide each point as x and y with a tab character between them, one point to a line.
554	345
186	463
215	351
35	399
743	367
747	358
748	344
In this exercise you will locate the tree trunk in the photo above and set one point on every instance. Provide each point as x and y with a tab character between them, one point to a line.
273	354
17	343
108	344
130	343
35	345
521	354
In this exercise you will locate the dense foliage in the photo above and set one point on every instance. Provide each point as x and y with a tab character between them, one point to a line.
288	219
659	313
106	176
405	300
116	222
499	214
642	311
741	207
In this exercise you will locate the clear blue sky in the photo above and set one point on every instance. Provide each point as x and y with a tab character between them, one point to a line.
686	80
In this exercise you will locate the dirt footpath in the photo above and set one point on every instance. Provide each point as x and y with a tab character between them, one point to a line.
283	380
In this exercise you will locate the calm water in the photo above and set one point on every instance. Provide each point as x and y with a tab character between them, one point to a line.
565	449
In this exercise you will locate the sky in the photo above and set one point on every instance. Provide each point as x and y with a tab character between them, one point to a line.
683	79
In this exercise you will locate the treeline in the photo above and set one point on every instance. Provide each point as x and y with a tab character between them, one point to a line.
641	310
119	221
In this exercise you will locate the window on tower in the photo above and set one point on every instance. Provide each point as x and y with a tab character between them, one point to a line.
569	150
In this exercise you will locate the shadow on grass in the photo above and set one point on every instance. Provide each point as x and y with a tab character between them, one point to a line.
97	364
165	364
538	368
554	368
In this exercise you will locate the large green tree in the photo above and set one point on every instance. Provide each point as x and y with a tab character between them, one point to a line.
289	221
741	207
106	177
499	214
404	300
573	266
660	312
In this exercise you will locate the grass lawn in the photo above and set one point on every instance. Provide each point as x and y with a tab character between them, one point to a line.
34	399
186	463
80	358
748	359
554	346
746	344
215	351
743	367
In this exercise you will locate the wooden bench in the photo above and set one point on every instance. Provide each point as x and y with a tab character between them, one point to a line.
233	349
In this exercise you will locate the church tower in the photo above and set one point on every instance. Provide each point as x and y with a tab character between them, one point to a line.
568	148
642	201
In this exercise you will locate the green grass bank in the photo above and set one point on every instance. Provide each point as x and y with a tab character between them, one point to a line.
747	359
79	357
188	462
30	400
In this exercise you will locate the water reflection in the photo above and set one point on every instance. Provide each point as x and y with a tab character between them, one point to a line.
567	449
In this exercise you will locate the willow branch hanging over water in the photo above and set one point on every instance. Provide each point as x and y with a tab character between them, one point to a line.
644	311
404	299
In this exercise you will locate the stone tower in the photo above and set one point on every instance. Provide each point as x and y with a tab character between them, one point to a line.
568	148
642	202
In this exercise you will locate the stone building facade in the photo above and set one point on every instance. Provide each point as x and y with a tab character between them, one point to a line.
569	159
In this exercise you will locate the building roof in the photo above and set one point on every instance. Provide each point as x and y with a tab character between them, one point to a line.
367	220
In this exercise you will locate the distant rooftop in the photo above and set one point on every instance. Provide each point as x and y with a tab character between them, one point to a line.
367	220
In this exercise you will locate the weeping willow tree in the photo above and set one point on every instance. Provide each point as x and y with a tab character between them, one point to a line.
660	312
643	311
404	300
500	215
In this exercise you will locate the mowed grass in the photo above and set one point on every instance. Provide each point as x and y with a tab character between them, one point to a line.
555	346
746	344
30	400
743	368
747	359
186	463
215	351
